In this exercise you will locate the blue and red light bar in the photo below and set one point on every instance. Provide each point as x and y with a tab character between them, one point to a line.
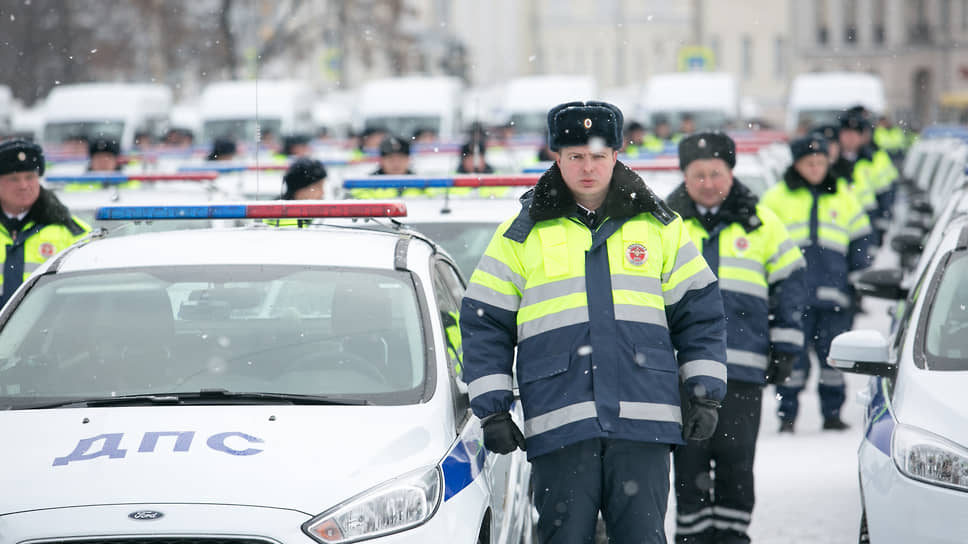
229	168
114	178
261	210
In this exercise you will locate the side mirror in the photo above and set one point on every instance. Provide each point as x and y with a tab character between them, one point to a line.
907	243
861	352
882	283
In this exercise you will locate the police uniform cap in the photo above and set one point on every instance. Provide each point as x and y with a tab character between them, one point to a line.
302	173
808	145
577	123
292	141
855	122
21	156
221	147
392	145
104	145
828	132
707	145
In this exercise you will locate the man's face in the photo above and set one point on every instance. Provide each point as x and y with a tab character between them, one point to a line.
395	164
708	181
104	162
663	131
587	172
19	191
813	168
850	140
313	191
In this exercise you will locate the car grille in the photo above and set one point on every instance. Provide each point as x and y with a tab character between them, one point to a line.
159	540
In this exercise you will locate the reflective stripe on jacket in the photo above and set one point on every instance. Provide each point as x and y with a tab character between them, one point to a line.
597	318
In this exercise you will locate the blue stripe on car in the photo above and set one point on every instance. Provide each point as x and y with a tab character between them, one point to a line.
462	465
881	426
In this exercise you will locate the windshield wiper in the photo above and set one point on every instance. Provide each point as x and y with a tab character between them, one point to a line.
205	396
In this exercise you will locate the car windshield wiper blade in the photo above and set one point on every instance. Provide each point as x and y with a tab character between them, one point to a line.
205	396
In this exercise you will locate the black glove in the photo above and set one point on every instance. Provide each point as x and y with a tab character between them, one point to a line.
700	419
781	367
501	435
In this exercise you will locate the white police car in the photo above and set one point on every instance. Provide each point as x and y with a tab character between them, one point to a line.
251	385
913	461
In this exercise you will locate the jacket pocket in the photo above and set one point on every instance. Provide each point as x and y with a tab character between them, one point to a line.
653	358
542	368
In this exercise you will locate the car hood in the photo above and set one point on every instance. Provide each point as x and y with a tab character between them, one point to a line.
934	401
305	458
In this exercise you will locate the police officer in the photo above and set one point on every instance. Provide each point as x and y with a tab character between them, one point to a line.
34	224
760	276
104	155
856	164
394	157
472	159
304	180
223	149
825	219
607	303
296	145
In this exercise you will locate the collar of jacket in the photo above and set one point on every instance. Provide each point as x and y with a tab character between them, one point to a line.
795	181
738	207
48	210
627	197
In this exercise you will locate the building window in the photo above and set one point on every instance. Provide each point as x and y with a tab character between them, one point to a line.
850	22
820	16
919	32
747	52
944	7
964	14
878	16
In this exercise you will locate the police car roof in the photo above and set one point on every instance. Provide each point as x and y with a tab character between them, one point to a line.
317	245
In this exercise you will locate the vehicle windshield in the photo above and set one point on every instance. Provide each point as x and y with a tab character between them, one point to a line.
242	130
819	117
405	125
273	329
530	123
704	120
60	132
465	242
946	332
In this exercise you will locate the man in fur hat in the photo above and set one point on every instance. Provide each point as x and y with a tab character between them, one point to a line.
760	273
34	225
609	305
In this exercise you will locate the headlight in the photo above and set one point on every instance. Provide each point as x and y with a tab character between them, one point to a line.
930	458
397	505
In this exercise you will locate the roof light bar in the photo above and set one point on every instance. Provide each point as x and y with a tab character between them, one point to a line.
229	168
260	210
112	178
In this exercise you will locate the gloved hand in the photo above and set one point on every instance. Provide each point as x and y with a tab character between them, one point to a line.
501	435
701	417
781	367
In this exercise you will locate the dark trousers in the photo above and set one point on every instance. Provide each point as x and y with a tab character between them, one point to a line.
714	478
819	329
627	481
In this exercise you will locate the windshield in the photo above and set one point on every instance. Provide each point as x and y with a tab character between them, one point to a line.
819	117
946	332
530	123
272	329
704	120
242	130
405	126
56	133
465	242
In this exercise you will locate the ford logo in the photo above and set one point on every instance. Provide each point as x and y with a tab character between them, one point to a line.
145	515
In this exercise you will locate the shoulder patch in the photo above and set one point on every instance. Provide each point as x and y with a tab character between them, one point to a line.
521	227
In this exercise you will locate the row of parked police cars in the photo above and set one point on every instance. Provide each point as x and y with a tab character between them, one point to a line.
193	374
913	460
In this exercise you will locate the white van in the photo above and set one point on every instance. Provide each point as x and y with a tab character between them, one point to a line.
6	108
527	99
820	97
106	110
239	109
333	114
712	98
404	104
